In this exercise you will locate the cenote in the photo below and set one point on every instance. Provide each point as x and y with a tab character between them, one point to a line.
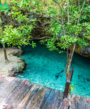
47	68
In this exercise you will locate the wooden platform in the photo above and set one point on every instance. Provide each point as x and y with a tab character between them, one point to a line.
79	102
22	94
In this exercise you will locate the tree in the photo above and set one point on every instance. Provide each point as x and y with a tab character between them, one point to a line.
66	28
17	36
2	8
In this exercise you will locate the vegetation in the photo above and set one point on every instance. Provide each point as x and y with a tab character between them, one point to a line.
68	24
16	36
68	21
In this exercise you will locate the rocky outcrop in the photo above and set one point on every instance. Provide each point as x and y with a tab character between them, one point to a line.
14	65
17	69
85	51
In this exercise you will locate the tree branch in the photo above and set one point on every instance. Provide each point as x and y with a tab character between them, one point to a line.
81	11
61	17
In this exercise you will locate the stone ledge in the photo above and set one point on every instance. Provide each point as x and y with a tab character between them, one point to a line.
14	65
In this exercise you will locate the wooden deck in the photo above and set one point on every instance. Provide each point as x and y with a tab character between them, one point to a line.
22	94
79	102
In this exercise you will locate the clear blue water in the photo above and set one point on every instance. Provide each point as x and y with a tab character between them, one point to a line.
47	68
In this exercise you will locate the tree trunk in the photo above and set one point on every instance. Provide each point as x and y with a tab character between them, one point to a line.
70	59
5	54
67	70
68	10
67	85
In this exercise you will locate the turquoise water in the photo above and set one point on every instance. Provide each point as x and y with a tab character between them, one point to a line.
47	68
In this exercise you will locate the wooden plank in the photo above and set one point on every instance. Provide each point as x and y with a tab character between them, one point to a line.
87	103
5	83
59	100
25	101
49	100
14	99
8	90
22	95
74	104
40	97
54	100
36	100
64	104
81	103
13	94
2	77
30	97
45	97
2	80
32	102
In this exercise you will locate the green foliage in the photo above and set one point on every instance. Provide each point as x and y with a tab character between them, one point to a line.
24	4
72	29
58	21
55	28
21	35
72	87
86	14
0	21
66	41
33	44
4	8
82	42
15	36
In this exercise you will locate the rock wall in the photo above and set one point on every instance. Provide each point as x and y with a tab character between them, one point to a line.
85	52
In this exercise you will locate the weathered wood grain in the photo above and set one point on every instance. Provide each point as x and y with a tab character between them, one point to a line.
54	100
64	104
36	99
79	102
1	78
32	102
45	97
5	83
40	97
59	100
15	97
25	100
5	93
88	104
14	92
49	100
30	97
22	94
74	103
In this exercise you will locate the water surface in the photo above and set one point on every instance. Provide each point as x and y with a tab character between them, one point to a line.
47	68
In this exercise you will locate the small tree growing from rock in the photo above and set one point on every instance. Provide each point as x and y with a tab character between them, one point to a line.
20	35
66	28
